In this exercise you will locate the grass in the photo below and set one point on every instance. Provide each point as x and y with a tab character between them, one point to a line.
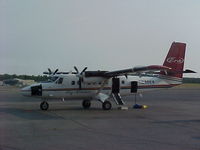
189	85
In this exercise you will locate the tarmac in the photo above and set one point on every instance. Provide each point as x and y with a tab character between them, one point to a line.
171	122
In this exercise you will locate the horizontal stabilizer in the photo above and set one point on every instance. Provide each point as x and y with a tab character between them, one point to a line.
186	71
189	71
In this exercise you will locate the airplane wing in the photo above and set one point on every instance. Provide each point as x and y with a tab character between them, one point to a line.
151	68
110	74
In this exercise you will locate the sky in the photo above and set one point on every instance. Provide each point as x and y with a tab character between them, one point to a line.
100	34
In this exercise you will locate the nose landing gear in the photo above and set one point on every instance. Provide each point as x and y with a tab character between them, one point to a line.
44	105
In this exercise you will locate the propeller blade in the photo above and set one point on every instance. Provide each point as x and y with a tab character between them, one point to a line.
84	70
76	69
55	71
50	72
46	72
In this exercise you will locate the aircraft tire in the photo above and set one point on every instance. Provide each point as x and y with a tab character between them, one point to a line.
106	105
44	105
86	104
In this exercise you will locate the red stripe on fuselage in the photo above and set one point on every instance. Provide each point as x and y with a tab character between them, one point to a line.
109	88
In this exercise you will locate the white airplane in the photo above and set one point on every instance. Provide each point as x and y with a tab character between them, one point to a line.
103	85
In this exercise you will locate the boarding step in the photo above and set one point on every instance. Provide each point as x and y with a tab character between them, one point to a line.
118	99
121	107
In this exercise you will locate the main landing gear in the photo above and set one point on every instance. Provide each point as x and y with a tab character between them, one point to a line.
44	105
86	104
106	105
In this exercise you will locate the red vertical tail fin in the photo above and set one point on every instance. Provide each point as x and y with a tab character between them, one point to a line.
175	59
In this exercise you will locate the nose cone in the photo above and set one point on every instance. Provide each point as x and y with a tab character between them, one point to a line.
26	91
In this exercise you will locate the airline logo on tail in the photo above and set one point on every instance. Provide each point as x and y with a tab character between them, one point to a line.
175	60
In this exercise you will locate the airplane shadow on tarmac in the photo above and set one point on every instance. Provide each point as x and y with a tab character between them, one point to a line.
51	114
180	121
29	114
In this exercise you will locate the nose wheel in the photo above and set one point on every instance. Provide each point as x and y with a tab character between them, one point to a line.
44	105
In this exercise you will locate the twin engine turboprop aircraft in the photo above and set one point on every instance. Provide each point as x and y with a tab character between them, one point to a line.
103	85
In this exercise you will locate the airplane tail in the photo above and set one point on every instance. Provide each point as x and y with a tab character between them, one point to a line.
175	60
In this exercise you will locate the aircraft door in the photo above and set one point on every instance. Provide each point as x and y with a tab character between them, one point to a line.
115	85
134	86
36	90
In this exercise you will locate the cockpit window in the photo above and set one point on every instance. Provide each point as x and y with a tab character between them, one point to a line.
60	80
52	79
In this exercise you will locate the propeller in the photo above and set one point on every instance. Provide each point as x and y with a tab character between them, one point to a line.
77	71
50	72
80	75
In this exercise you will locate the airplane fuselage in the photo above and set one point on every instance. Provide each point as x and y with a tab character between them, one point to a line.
102	85
69	87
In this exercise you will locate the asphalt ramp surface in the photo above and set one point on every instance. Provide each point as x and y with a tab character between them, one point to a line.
171	121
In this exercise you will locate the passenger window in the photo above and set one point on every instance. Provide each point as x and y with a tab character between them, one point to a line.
73	82
60	80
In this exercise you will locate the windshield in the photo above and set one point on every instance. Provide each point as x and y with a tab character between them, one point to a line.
52	79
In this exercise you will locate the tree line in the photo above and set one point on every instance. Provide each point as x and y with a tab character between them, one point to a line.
23	77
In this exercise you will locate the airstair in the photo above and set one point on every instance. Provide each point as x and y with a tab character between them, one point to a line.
118	99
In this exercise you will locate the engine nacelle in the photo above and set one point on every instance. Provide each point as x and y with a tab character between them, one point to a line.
93	79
